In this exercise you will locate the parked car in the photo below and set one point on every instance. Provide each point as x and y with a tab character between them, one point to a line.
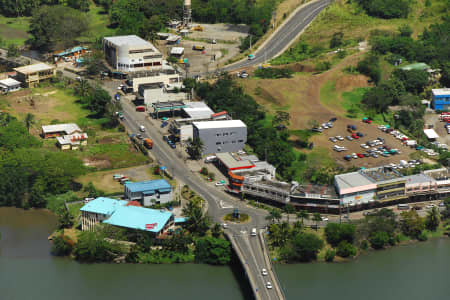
354	155
347	157
164	124
220	183
317	129
139	136
360	155
142	128
359	134
349	138
355	136
225	225
364	146
340	138
333	139
333	119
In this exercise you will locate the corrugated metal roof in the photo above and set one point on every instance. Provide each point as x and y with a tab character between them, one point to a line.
33	68
351	180
430	133
102	205
150	185
441	92
418	178
69	128
9	82
139	218
231	162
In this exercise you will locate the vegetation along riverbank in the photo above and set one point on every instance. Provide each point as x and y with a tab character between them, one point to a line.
338	242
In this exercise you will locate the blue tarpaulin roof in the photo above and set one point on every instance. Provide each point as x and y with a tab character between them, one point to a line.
160	185
180	220
102	205
70	51
139	218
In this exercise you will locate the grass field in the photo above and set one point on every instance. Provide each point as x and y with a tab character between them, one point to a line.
106	149
15	30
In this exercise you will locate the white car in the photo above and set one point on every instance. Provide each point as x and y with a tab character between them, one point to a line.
340	138
225	225
430	206
268	285
142	128
264	272
354	155
220	183
325	219
364	146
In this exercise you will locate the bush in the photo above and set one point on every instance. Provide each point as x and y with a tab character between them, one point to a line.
204	171
329	255
346	249
335	233
379	239
370	67
422	236
304	247
62	245
273	73
213	251
364	245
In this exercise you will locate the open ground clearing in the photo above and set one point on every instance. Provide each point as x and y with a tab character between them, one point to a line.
107	148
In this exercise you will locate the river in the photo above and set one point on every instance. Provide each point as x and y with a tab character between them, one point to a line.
28	271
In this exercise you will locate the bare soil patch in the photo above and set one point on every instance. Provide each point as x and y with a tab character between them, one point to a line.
9	33
347	83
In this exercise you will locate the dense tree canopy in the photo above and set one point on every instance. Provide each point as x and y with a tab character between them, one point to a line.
211	250
386	9
56	27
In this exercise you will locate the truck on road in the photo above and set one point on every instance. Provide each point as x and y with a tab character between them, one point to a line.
148	143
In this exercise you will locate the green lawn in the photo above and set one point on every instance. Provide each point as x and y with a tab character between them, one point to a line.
14	30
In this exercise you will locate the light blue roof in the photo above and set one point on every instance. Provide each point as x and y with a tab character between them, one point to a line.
103	205
180	220
138	217
151	185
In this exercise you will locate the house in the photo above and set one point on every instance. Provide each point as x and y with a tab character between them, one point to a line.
120	213
9	85
51	131
441	99
131	53
33	74
149	192
221	136
177	51
72	141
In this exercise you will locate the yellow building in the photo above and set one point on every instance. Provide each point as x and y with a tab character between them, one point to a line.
33	74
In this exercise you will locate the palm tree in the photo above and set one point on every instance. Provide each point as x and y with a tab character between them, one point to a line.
303	214
317	218
274	214
433	219
195	148
289	209
29	121
82	88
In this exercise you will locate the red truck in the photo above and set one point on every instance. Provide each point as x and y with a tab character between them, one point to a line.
140	108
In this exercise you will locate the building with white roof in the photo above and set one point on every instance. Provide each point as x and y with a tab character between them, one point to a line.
72	141
33	74
9	85
131	53
441	99
221	136
177	51
51	131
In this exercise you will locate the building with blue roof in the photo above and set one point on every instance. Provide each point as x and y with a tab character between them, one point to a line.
149	192
140	218
441	99
121	213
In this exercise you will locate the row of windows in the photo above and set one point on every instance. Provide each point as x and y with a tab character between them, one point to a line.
226	133
140	65
227	142
140	51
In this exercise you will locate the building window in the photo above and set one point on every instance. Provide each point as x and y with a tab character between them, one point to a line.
218	143
225	142
240	141
218	134
233	142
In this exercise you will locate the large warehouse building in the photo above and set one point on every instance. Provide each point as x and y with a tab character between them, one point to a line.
221	136
131	53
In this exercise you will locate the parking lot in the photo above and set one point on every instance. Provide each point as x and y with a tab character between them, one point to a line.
370	155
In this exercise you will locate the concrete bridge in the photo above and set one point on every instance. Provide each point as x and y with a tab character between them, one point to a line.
253	254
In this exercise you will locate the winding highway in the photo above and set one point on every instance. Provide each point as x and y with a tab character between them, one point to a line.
284	36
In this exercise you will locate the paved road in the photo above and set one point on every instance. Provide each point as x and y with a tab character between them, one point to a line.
284	36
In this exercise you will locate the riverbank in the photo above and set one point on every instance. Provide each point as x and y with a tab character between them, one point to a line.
346	242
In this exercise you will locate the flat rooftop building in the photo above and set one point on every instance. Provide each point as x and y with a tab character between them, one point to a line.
33	74
149	192
131	53
221	136
9	85
49	131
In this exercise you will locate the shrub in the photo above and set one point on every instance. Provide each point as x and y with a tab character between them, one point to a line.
345	249
204	171
329	255
364	245
274	73
213	251
422	236
379	239
62	245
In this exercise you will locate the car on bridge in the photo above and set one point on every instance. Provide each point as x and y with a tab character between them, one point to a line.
264	272
268	285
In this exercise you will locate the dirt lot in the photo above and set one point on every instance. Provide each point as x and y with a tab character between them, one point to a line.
104	181
370	132
433	119
221	32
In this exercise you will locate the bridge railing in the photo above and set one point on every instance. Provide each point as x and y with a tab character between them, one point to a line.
265	247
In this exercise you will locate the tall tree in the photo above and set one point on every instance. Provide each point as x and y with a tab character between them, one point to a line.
303	215
317	218
433	219
29	121
195	148
289	209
